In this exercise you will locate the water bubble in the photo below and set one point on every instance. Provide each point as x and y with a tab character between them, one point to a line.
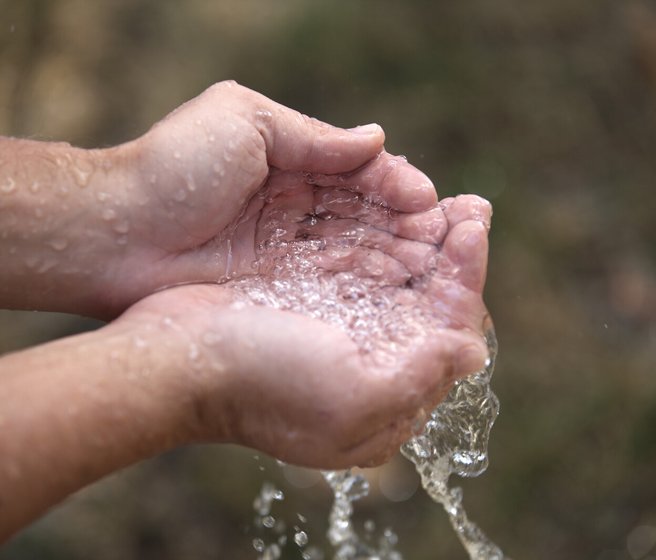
258	544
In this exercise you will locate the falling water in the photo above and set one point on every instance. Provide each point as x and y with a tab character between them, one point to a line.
381	320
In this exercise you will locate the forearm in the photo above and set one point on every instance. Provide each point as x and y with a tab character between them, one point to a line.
62	220
77	409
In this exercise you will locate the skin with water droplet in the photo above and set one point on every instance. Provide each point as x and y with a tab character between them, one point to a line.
108	214
9	186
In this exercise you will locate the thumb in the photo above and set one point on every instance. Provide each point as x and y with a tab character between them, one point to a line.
298	142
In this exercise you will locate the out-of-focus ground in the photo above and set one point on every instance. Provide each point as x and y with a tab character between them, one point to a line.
547	108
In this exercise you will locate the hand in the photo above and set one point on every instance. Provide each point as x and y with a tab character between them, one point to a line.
357	322
203	175
93	231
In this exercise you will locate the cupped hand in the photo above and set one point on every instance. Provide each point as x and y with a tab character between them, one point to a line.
201	175
353	323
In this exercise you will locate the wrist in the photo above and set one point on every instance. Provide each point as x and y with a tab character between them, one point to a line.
63	215
147	384
186	343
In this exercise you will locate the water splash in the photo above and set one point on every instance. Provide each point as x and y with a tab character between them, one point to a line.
383	320
348	488
455	440
274	530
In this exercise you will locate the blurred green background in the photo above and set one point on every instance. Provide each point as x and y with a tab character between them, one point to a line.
546	108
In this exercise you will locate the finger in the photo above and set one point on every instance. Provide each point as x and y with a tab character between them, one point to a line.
388	180
362	261
421	384
467	207
427	227
417	258
297	142
465	250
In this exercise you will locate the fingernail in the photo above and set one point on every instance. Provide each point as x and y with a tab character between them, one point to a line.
367	129
469	359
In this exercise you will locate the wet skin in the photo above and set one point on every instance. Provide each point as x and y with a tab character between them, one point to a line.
192	203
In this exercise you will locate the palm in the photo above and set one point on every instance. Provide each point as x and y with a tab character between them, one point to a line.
390	280
386	310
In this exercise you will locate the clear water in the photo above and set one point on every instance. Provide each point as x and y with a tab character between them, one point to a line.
388	321
453	441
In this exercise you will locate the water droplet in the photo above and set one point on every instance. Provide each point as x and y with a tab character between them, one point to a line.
34	187
262	115
108	214
190	183
301	538
258	544
272	552
139	342
82	170
194	353
282	540
211	338
177	155
180	195
9	186
211	138
58	243
122	226
269	521
301	518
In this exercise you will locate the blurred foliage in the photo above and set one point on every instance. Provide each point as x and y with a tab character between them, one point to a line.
546	108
